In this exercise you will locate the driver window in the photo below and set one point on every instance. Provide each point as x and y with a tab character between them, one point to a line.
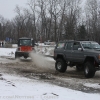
76	45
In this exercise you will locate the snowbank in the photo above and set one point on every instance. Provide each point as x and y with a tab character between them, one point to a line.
17	88
7	52
95	85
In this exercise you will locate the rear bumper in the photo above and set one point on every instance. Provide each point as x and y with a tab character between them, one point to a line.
20	54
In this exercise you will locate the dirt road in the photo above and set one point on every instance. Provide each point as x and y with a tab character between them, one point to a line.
45	71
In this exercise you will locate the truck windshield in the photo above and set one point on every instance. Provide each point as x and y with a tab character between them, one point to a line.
25	42
90	45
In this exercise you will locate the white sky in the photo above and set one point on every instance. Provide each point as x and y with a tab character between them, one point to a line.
7	7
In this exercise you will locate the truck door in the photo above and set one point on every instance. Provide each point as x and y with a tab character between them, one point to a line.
77	55
68	50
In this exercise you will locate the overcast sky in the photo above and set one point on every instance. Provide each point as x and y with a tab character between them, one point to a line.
7	7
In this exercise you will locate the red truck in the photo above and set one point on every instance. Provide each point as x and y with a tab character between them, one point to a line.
25	46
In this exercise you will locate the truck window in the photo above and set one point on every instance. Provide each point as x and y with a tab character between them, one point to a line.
25	42
60	45
69	46
76	45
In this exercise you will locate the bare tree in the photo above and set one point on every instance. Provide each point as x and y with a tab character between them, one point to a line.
46	19
20	21
71	18
92	19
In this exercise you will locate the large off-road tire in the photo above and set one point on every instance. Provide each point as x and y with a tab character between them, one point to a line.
79	67
25	57
61	65
89	70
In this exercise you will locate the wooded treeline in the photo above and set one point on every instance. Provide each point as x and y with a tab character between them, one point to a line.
54	20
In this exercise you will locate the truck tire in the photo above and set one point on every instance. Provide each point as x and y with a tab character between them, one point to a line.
25	57
61	65
89	70
16	55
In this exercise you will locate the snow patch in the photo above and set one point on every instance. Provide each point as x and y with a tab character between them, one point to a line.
45	50
7	52
27	89
95	85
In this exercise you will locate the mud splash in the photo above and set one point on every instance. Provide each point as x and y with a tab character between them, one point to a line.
41	61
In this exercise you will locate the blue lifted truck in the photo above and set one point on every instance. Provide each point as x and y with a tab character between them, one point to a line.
85	55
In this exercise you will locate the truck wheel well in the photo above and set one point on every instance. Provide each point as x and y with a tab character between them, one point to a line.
90	59
60	57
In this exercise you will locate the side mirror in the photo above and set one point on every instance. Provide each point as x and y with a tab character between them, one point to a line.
80	49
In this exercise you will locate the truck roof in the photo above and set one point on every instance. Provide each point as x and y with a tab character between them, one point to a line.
76	41
25	38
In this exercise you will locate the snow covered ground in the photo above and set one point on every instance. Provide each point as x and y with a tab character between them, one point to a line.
20	88
17	88
7	52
